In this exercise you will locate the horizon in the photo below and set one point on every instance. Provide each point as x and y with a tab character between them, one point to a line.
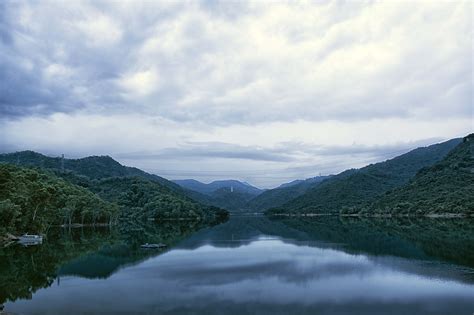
234	178
264	93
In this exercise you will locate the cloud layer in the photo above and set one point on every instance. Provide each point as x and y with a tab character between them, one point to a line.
216	82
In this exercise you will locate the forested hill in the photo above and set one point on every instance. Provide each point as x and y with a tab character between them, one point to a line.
94	167
283	194
32	201
444	188
136	194
356	188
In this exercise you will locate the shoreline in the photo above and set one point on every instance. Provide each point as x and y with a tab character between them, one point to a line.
430	216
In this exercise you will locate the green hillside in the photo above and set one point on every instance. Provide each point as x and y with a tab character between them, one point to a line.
355	188
32	201
445	188
94	167
141	199
133	194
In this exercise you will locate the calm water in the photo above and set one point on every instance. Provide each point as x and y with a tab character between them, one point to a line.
249	265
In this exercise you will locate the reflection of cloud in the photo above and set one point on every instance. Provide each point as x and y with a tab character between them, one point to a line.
257	277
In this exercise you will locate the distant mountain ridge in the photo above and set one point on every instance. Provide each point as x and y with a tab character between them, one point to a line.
283	193
210	188
357	187
231	195
346	192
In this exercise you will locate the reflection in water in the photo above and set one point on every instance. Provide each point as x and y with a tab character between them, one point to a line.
88	252
261	266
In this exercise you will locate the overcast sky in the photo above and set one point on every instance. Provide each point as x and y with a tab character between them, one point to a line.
259	91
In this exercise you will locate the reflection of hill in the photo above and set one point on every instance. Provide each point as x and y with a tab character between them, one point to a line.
423	246
108	259
25	270
240	230
91	253
98	253
450	240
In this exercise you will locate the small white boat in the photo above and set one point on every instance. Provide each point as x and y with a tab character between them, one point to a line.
30	239
153	246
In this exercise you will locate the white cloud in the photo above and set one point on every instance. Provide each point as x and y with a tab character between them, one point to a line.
140	83
99	29
266	154
57	72
152	76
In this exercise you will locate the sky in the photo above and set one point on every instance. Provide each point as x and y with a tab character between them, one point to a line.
262	91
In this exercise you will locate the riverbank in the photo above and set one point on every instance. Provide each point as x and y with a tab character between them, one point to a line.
431	216
77	225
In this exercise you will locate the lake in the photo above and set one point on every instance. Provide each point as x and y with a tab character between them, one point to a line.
248	265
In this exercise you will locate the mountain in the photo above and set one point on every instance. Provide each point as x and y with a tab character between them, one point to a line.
233	201
139	195
446	188
292	183
231	195
283	194
209	189
357	187
94	167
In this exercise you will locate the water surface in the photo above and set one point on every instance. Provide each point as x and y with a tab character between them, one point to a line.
253	265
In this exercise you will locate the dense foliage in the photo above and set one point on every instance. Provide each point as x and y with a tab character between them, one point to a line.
356	188
142	198
90	190
445	188
32	201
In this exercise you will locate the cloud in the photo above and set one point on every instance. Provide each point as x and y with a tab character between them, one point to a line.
228	86
239	63
140	83
266	154
198	150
